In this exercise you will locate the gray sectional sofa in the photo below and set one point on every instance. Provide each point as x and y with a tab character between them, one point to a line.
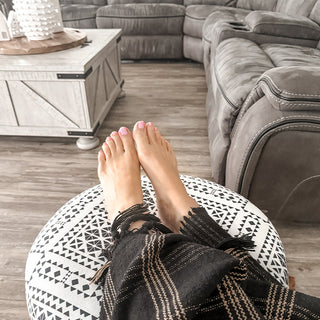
263	105
262	64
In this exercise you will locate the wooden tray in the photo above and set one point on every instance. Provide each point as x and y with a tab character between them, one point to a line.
67	39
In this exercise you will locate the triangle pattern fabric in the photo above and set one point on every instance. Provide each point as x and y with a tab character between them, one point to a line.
69	249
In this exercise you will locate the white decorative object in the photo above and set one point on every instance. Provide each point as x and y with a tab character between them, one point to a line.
57	11
14	25
4	30
39	19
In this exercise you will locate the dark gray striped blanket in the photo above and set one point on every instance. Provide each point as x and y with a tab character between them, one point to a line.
202	273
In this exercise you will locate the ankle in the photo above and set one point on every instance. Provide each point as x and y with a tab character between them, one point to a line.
176	209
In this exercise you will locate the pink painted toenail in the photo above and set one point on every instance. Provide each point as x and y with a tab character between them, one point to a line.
123	131
149	124
114	133
155	129
109	138
141	124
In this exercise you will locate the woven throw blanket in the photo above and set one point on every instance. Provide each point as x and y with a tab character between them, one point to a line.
202	273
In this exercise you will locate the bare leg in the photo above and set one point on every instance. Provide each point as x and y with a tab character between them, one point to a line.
159	162
119	173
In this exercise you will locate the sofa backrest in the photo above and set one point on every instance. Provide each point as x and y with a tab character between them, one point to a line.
224	3
267	5
145	1
315	13
296	7
94	2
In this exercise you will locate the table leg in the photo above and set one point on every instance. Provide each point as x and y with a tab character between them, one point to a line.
87	143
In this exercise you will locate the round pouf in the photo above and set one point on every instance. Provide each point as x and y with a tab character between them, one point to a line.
69	249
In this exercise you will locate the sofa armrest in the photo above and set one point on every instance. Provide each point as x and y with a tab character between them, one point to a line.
288	89
279	24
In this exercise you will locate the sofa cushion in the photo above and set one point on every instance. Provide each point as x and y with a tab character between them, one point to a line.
296	7
137	47
269	5
143	19
238	64
226	3
279	24
315	13
195	18
144	1
85	2
233	15
289	55
79	15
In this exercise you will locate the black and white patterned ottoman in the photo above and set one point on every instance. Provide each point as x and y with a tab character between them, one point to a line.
68	250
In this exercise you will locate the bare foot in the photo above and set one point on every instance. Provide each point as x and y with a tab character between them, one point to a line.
119	173
159	162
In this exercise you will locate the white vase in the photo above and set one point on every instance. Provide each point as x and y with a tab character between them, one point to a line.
39	19
4	30
14	25
57	10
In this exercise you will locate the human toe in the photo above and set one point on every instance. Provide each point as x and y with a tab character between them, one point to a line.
151	132
117	140
140	134
111	144
106	150
127	140
101	162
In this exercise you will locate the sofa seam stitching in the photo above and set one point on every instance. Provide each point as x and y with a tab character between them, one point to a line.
290	93
277	130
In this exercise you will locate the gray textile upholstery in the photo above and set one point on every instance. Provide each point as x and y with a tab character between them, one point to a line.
237	66
285	89
192	48
315	13
150	31
284	55
270	129
144	1
295	7
278	24
79	15
263	102
235	69
226	3
85	2
217	25
142	19
137	47
198	15
195	17
269	5
270	161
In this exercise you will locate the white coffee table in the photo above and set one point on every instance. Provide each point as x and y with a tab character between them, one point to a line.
62	94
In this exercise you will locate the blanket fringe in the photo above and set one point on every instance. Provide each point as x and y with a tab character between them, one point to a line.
99	273
244	242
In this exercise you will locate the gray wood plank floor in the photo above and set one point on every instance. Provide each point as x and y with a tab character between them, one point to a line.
38	175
